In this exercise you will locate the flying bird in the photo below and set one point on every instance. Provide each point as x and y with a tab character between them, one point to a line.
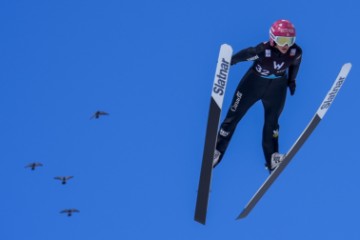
34	165
97	114
70	211
63	179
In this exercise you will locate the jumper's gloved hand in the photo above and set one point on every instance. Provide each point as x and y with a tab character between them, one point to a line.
292	87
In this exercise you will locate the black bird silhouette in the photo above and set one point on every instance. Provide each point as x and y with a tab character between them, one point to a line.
63	179
70	211
97	114
34	165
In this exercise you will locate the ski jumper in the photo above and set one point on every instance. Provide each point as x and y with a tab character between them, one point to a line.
266	80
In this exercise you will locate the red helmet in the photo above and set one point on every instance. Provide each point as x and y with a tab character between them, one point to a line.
282	32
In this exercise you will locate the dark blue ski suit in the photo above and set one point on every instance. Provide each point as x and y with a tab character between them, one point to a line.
266	80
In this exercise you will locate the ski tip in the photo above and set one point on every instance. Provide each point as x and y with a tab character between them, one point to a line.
227	47
345	69
347	66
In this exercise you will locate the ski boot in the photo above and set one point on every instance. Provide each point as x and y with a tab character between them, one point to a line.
216	159
276	159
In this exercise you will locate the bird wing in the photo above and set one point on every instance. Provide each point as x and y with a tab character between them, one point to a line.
33	165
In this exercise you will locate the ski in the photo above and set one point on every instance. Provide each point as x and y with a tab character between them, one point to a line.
329	98
217	97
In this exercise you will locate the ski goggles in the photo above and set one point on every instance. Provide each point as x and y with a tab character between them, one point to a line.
282	41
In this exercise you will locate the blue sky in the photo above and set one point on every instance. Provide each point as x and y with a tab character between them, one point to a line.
151	64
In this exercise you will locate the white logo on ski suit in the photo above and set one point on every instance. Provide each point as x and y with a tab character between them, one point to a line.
278	66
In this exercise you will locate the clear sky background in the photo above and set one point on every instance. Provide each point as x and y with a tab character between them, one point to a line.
151	65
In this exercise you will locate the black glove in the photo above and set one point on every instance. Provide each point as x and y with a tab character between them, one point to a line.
292	87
